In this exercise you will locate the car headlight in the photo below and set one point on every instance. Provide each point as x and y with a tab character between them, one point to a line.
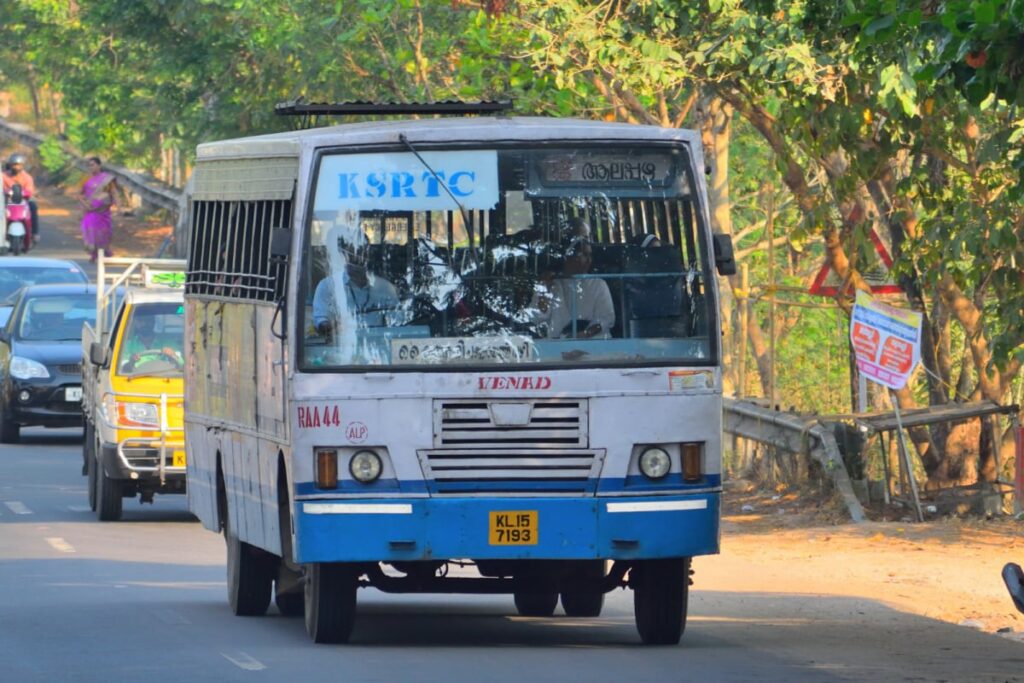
365	466
655	463
26	368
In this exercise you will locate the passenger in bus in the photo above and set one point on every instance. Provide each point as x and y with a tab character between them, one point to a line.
371	299
560	295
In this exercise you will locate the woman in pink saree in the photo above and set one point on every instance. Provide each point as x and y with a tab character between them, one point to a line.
97	198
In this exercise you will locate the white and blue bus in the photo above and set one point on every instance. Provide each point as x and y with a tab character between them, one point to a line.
490	341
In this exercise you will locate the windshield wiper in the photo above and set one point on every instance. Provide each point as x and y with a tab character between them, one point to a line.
465	216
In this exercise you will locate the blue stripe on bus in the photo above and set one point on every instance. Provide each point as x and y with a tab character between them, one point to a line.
452	528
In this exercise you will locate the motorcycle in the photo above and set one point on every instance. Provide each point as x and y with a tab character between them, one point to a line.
18	216
1013	577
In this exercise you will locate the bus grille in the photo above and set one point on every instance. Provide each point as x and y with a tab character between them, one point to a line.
508	446
510	424
546	470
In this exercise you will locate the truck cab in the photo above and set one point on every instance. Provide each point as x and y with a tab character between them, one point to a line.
132	378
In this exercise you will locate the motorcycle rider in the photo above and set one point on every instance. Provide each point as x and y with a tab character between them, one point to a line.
15	174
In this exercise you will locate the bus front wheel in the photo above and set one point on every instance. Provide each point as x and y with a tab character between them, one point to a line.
330	601
660	595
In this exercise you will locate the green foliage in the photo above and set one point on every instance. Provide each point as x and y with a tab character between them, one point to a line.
53	156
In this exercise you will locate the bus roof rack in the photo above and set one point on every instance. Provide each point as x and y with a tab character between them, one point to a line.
299	107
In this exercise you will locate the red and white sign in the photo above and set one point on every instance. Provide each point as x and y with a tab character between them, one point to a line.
886	341
876	273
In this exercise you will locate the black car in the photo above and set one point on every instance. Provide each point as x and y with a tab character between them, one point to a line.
40	358
22	271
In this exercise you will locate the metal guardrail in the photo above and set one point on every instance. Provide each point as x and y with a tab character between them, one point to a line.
149	190
794	434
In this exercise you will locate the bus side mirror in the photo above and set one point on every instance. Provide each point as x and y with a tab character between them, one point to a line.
725	260
280	244
97	354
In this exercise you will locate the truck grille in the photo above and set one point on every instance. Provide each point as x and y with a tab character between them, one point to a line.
511	447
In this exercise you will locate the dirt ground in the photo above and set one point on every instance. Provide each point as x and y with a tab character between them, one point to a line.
778	542
946	569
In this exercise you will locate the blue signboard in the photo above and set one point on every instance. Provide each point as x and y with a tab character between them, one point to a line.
399	181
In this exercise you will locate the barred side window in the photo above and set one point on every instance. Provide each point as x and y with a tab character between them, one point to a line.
229	253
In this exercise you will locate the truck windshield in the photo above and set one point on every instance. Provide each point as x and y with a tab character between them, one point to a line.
555	256
153	340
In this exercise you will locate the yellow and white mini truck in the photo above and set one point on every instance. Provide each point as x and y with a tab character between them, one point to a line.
132	386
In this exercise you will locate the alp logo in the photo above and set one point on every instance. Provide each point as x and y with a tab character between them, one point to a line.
521	382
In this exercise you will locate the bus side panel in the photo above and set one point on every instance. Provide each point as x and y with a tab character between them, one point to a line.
201	462
202	475
270	369
268	497
239	369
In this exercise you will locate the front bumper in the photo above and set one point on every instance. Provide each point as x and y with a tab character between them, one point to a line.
142	464
47	404
411	529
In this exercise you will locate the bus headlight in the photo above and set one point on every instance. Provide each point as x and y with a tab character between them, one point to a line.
365	466
326	468
655	463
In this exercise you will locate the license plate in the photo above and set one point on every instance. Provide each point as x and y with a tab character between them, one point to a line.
513	527
73	394
178	459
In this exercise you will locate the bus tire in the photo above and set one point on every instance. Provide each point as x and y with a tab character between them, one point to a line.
660	595
290	604
585	603
330	602
249	577
108	496
535	604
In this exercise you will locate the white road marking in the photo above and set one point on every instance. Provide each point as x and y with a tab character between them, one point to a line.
244	661
17	507
60	545
659	506
171	617
79	508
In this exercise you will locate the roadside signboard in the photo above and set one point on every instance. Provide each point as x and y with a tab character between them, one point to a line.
874	264
886	341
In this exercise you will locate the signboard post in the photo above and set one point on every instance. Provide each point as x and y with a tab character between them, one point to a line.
887	344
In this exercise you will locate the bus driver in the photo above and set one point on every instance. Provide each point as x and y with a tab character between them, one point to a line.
558	298
370	297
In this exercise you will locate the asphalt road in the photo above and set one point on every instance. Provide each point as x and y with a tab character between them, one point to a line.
144	599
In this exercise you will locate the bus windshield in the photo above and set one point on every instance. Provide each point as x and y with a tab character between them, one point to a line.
561	256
